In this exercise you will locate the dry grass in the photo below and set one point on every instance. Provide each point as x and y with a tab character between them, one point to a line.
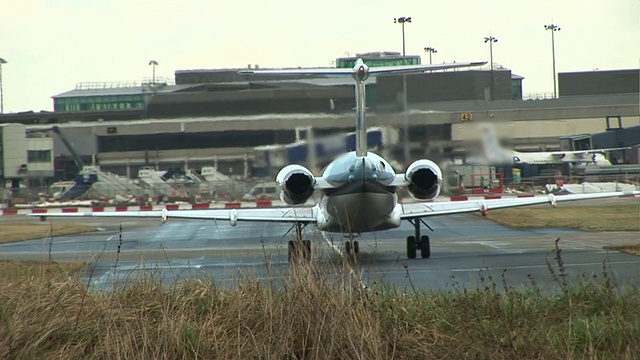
19	270
589	218
627	249
311	316
25	231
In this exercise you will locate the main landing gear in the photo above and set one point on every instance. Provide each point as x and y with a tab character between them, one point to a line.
351	247
299	249
418	242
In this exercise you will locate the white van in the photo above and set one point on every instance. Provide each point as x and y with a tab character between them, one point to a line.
268	190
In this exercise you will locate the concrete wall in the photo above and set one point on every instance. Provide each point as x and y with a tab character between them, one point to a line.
527	128
445	86
521	129
599	82
40	169
252	101
565	102
14	151
518	131
84	144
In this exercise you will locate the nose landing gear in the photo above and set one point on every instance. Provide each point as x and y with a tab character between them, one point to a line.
418	242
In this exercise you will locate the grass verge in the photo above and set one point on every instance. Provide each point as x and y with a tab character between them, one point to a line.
627	249
19	270
25	231
312	316
589	218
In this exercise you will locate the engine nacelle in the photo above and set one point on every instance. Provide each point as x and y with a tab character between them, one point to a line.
424	178
296	184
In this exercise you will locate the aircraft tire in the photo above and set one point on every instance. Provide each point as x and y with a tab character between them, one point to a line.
347	247
307	249
411	247
356	247
292	250
425	247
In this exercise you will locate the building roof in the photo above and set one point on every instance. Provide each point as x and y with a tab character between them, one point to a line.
302	117
109	89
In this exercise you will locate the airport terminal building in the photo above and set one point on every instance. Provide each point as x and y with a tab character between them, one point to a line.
219	118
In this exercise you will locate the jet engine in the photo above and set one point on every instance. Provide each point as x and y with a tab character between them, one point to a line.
296	183
424	178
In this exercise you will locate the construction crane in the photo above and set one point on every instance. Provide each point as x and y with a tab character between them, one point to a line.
76	158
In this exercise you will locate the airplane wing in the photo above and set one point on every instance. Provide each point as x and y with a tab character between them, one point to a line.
399	180
426	209
303	215
322	184
307	215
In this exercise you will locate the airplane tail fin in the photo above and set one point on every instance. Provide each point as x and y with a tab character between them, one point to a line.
600	160
361	124
493	151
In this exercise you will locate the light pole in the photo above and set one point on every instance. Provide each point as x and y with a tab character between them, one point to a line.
431	51
402	20
2	61
405	117
491	40
153	63
553	29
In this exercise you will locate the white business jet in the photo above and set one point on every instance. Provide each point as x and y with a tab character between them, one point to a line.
357	190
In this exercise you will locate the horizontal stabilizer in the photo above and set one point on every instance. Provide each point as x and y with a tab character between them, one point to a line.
373	71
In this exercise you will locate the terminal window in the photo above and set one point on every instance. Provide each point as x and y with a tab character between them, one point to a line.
34	156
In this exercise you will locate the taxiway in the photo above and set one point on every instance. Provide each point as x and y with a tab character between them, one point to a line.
465	250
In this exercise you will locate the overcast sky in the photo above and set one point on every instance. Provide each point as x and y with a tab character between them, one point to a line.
52	45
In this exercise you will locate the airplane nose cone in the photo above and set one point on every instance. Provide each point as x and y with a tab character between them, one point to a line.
361	73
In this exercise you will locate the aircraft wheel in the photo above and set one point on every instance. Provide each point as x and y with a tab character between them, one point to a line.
292	250
356	247
307	249
411	247
425	247
347	247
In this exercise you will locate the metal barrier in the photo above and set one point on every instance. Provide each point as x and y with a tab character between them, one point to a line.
112	193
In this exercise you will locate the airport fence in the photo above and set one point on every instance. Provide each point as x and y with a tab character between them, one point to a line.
199	192
540	182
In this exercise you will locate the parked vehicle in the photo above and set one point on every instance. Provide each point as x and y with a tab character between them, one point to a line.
268	190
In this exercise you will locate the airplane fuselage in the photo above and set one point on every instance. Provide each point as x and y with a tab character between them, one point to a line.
362	199
496	154
550	158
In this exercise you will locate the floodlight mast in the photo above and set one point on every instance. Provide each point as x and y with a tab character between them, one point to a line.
405	120
2	61
553	29
431	51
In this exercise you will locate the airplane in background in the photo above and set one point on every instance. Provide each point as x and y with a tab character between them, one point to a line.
357	191
496	154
